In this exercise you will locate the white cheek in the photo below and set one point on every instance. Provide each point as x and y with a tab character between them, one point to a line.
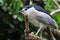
29	11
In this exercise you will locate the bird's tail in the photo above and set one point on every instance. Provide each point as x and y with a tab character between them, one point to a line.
55	24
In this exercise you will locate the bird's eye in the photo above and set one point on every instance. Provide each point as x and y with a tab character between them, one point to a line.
25	9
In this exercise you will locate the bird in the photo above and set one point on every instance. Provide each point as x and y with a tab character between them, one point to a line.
39	17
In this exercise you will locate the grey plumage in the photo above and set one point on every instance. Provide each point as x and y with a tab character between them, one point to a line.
38	15
46	19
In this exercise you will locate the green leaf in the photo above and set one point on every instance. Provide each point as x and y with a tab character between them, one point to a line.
20	17
1	2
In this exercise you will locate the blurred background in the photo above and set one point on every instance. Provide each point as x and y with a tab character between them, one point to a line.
12	22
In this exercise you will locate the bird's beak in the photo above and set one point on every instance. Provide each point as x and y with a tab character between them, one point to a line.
20	11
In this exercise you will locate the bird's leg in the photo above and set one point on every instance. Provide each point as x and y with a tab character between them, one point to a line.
40	29
50	34
53	38
41	32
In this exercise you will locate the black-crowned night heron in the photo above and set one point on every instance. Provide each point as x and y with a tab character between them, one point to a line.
39	17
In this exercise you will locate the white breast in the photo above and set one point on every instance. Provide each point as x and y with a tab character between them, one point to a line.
31	16
34	22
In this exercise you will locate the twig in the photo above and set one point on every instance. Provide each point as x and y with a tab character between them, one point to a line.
58	10
54	12
56	3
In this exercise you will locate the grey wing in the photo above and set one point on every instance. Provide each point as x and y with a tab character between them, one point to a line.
45	18
55	24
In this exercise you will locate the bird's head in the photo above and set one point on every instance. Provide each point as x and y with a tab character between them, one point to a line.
27	9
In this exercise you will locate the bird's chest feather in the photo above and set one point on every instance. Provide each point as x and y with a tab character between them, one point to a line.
32	19
34	22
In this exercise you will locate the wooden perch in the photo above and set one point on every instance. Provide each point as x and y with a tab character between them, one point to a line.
34	37
56	34
27	31
28	35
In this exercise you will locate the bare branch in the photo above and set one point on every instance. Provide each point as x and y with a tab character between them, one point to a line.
34	37
56	34
56	3
27	31
54	12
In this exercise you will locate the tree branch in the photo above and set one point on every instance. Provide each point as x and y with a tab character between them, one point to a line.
56	3
54	12
56	34
58	10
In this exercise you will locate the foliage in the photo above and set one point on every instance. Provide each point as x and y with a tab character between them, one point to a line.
12	22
